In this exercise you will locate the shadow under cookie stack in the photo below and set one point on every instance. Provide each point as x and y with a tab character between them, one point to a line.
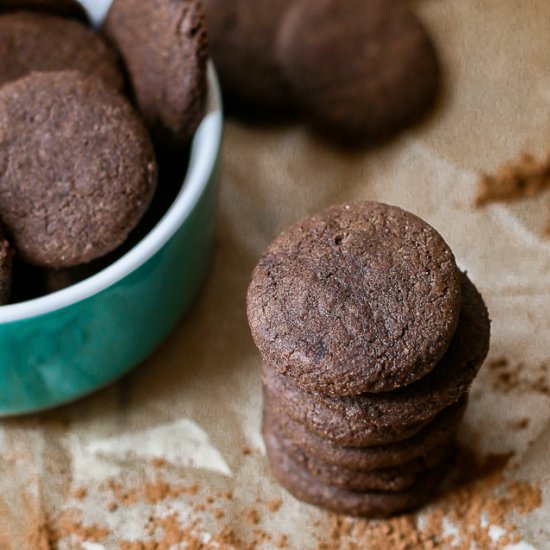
371	338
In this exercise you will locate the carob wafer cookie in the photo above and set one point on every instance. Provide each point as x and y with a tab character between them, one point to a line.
39	42
6	259
306	487
332	428
385	478
242	37
362	297
359	69
421	401
65	8
77	168
438	432
164	46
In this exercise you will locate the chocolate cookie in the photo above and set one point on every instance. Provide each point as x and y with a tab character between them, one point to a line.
242	37
65	8
362	297
38	42
77	168
6	257
438	432
304	486
360	69
333	429
349	417
385	478
164	45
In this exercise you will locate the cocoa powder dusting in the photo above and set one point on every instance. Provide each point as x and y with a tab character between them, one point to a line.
524	178
476	499
80	493
274	505
253	517
39	539
515	377
159	462
70	524
281	541
151	493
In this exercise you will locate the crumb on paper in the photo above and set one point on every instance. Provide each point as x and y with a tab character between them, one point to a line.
477	501
218	513
159	463
274	505
80	493
253	517
70	525
524	178
281	541
112	507
510	377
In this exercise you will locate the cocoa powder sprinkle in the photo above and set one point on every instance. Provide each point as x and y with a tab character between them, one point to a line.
526	177
477	498
274	505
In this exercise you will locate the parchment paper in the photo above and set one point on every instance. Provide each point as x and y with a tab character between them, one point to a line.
197	401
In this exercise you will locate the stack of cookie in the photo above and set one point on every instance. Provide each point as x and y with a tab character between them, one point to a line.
371	338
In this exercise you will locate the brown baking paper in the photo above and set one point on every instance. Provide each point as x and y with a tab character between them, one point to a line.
173	451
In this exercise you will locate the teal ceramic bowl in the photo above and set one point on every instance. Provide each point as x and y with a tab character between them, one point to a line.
68	344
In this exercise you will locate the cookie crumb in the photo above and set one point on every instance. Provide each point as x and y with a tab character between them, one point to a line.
69	526
520	424
524	178
218	513
159	463
274	505
511	377
192	489
80	494
281	541
161	490
112	507
253	517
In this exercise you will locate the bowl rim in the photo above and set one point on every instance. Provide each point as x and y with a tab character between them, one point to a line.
205	151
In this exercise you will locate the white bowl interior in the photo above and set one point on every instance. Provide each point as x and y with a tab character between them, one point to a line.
204	153
97	9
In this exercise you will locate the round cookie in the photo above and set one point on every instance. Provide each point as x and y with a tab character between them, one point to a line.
77	168
242	37
333	429
349	417
386	478
305	487
360	69
439	432
164	46
6	260
65	8
362	297
38	42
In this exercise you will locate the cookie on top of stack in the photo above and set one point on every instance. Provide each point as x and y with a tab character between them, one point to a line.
371	338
